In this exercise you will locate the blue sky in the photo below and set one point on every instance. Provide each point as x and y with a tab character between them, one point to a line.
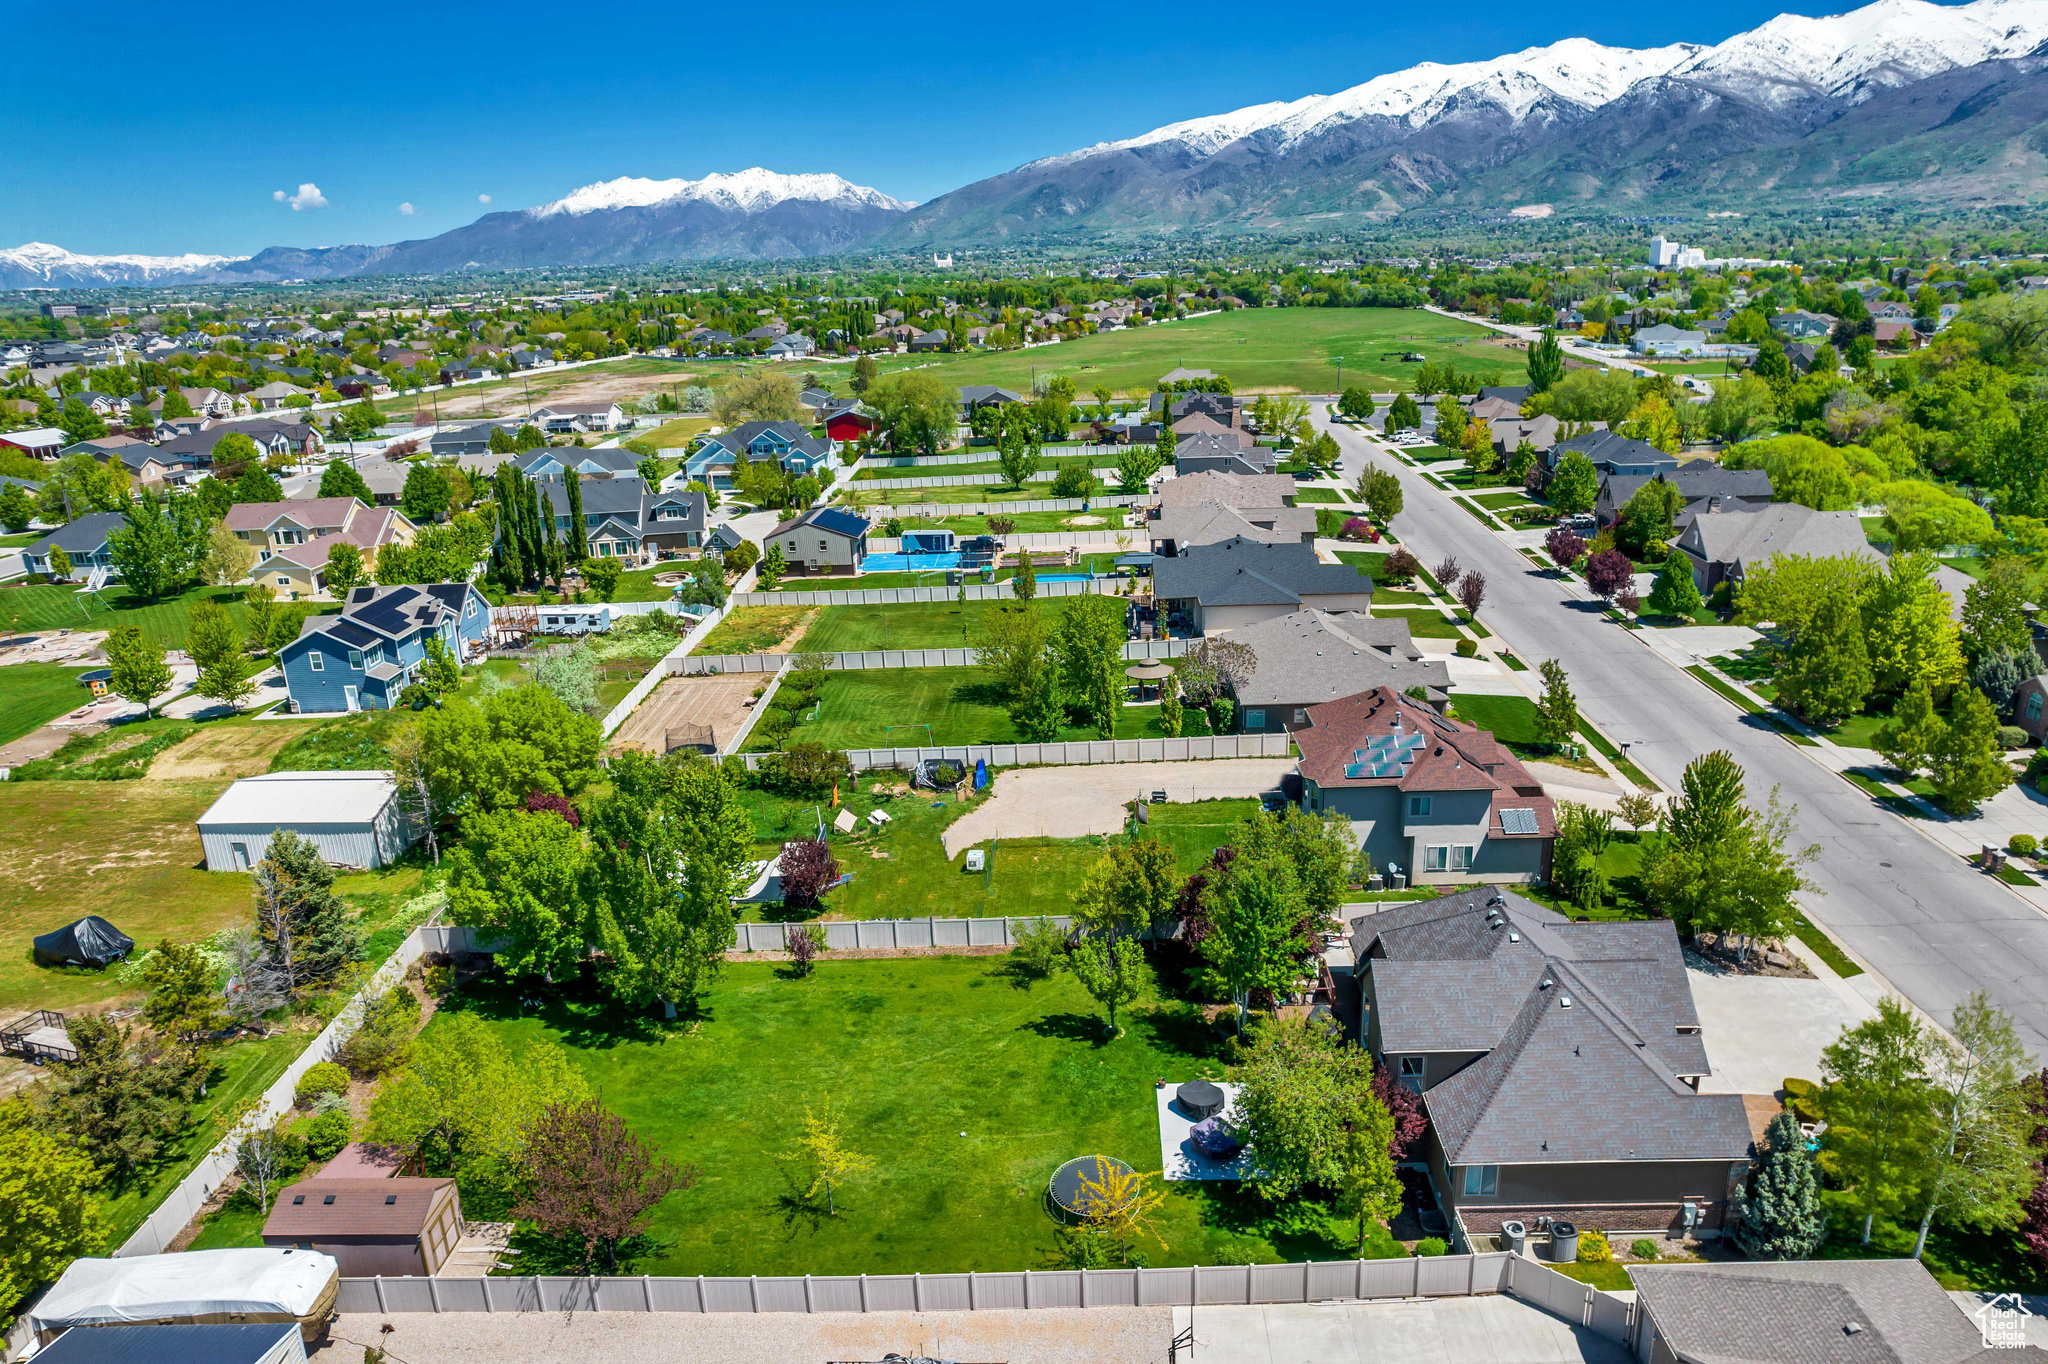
180	136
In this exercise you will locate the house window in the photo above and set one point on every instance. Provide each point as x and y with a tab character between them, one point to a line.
1412	1071
1300	716
1255	719
1482	1181
1461	857
283	581
2034	706
1436	859
1418	805
317	661
355	659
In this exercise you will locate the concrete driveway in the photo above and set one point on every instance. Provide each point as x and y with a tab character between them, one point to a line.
1072	802
1761	1029
1493	1329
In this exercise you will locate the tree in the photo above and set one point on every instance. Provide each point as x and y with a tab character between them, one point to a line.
210	634
1472	590
1873	1099
1301	1094
1546	363
520	876
254	484
1382	494
469	1097
808	870
1116	1207
79	422
231	679
864	370
763	395
1135	465
1978	1162
1610	573
50	1213
1781	1216
1645	520
916	409
1721	864
1024	583
1171	712
1557	710
1356	403
345	571
17	509
832	1162
773	566
1089	645
1564	547
1675	593
184	997
1743	406
303	922
1128	889
158	545
1906	618
591	1181
1574	483
227	558
263	1149
1111	968
139	672
340	479
602	575
425	498
576	544
176	404
1824	674
1016	646
1995	609
491	755
60	564
1403	414
1255	911
1583	834
1166	442
122	1099
1967	763
1999	672
1909	739
1018	454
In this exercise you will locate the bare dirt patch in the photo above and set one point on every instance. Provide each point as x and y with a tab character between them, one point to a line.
572	386
243	751
719	702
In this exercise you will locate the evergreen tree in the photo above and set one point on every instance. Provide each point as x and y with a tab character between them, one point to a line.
1999	672
1967	764
1546	363
1781	1213
1824	675
1675	593
342	480
1404	414
303	923
578	546
122	1099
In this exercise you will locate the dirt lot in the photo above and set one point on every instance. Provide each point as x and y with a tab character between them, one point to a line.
719	702
1072	802
593	385
222	753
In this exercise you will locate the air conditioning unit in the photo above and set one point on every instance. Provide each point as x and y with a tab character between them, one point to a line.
977	859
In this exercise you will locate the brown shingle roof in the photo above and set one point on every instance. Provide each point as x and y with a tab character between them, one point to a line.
354	1207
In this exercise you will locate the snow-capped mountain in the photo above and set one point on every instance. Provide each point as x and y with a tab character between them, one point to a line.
748	191
39	265
1780	105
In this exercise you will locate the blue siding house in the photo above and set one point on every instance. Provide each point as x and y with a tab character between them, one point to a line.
364	657
784	443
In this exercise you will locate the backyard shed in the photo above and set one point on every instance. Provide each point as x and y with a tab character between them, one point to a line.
354	817
90	941
202	1286
392	1226
238	1343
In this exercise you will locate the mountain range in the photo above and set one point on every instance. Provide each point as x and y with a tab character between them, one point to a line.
1942	103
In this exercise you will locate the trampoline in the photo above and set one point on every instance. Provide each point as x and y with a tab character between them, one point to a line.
1199	1099
1069	1192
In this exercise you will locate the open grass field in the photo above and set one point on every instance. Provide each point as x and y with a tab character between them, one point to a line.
673	435
1258	348
45	606
914	625
33	694
1050	460
966	1083
907	707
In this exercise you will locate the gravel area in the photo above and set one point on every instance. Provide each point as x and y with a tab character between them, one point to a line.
1072	802
1104	1335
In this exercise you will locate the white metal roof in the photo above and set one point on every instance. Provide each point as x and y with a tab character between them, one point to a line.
197	1283
286	798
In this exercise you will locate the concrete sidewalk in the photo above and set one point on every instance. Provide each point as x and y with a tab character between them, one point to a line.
1491	1329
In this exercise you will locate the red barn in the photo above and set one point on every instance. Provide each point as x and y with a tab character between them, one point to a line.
849	425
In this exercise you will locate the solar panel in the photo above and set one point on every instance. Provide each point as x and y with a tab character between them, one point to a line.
1518	821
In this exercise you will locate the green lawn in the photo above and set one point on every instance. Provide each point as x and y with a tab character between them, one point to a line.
45	606
1424	624
33	694
1502	501
752	629
892	707
1513	719
1104	518
965	1083
1309	495
1105	463
913	625
672	435
1263	348
995	493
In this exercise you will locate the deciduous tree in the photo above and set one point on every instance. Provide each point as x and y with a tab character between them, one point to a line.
50	1211
1873	1097
832	1161
1978	1162
592	1181
139	672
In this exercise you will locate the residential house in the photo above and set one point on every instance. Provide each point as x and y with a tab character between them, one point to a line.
1723	546
1801	355
1558	1062
552	459
784	443
624	519
1510	393
458	441
1176	530
814	401
795	346
294	539
299	439
146	468
824	540
83	540
395	1226
1539	433
1213	589
2028	701
42	441
1704	484
105	406
767	332
1820	1312
1491	410
1225	453
1202	424
385	479
572	418
271	397
1227	489
1614	453
1665	339
1226	409
358	386
933	340
210	402
1802	325
362	657
1308	657
1895	334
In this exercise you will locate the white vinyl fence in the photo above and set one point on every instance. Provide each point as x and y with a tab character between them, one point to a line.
995	480
1197	748
899	933
1135	651
1443	1276
941	510
184	1202
983	455
936	592
1034	539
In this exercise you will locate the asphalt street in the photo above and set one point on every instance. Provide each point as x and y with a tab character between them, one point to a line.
1914	913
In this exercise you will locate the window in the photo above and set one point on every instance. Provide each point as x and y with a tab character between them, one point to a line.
1418	805
355	659
1436	859
1300	716
1461	857
2034	706
1255	719
824	544
1412	1072
317	661
283	581
1482	1181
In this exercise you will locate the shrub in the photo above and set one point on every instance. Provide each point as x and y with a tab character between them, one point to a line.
328	1133
1358	528
742	556
2022	845
1643	1248
1803	1098
803	769
805	942
384	1041
1432	1245
1468	648
538	801
1400	567
2011	736
1593	1248
808	871
1039	948
322	1079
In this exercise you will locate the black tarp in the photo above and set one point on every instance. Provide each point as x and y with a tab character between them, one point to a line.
91	941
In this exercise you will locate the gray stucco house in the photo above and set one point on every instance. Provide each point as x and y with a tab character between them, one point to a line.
1723	546
84	542
1313	656
1211	589
1705	486
1558	1062
1427	795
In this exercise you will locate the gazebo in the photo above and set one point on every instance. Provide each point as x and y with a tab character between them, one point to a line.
1142	673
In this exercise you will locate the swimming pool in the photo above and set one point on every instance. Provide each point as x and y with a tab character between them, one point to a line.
910	563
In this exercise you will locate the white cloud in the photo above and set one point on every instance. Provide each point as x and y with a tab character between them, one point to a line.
483	198
278	195
309	196
407	209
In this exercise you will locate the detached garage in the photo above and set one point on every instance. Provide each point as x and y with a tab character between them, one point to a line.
354	817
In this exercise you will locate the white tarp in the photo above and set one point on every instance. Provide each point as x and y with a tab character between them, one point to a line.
201	1283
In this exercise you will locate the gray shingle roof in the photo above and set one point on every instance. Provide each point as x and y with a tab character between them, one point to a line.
1315	655
1800	1312
1744	539
1210	522
1238	572
84	535
1598	1078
